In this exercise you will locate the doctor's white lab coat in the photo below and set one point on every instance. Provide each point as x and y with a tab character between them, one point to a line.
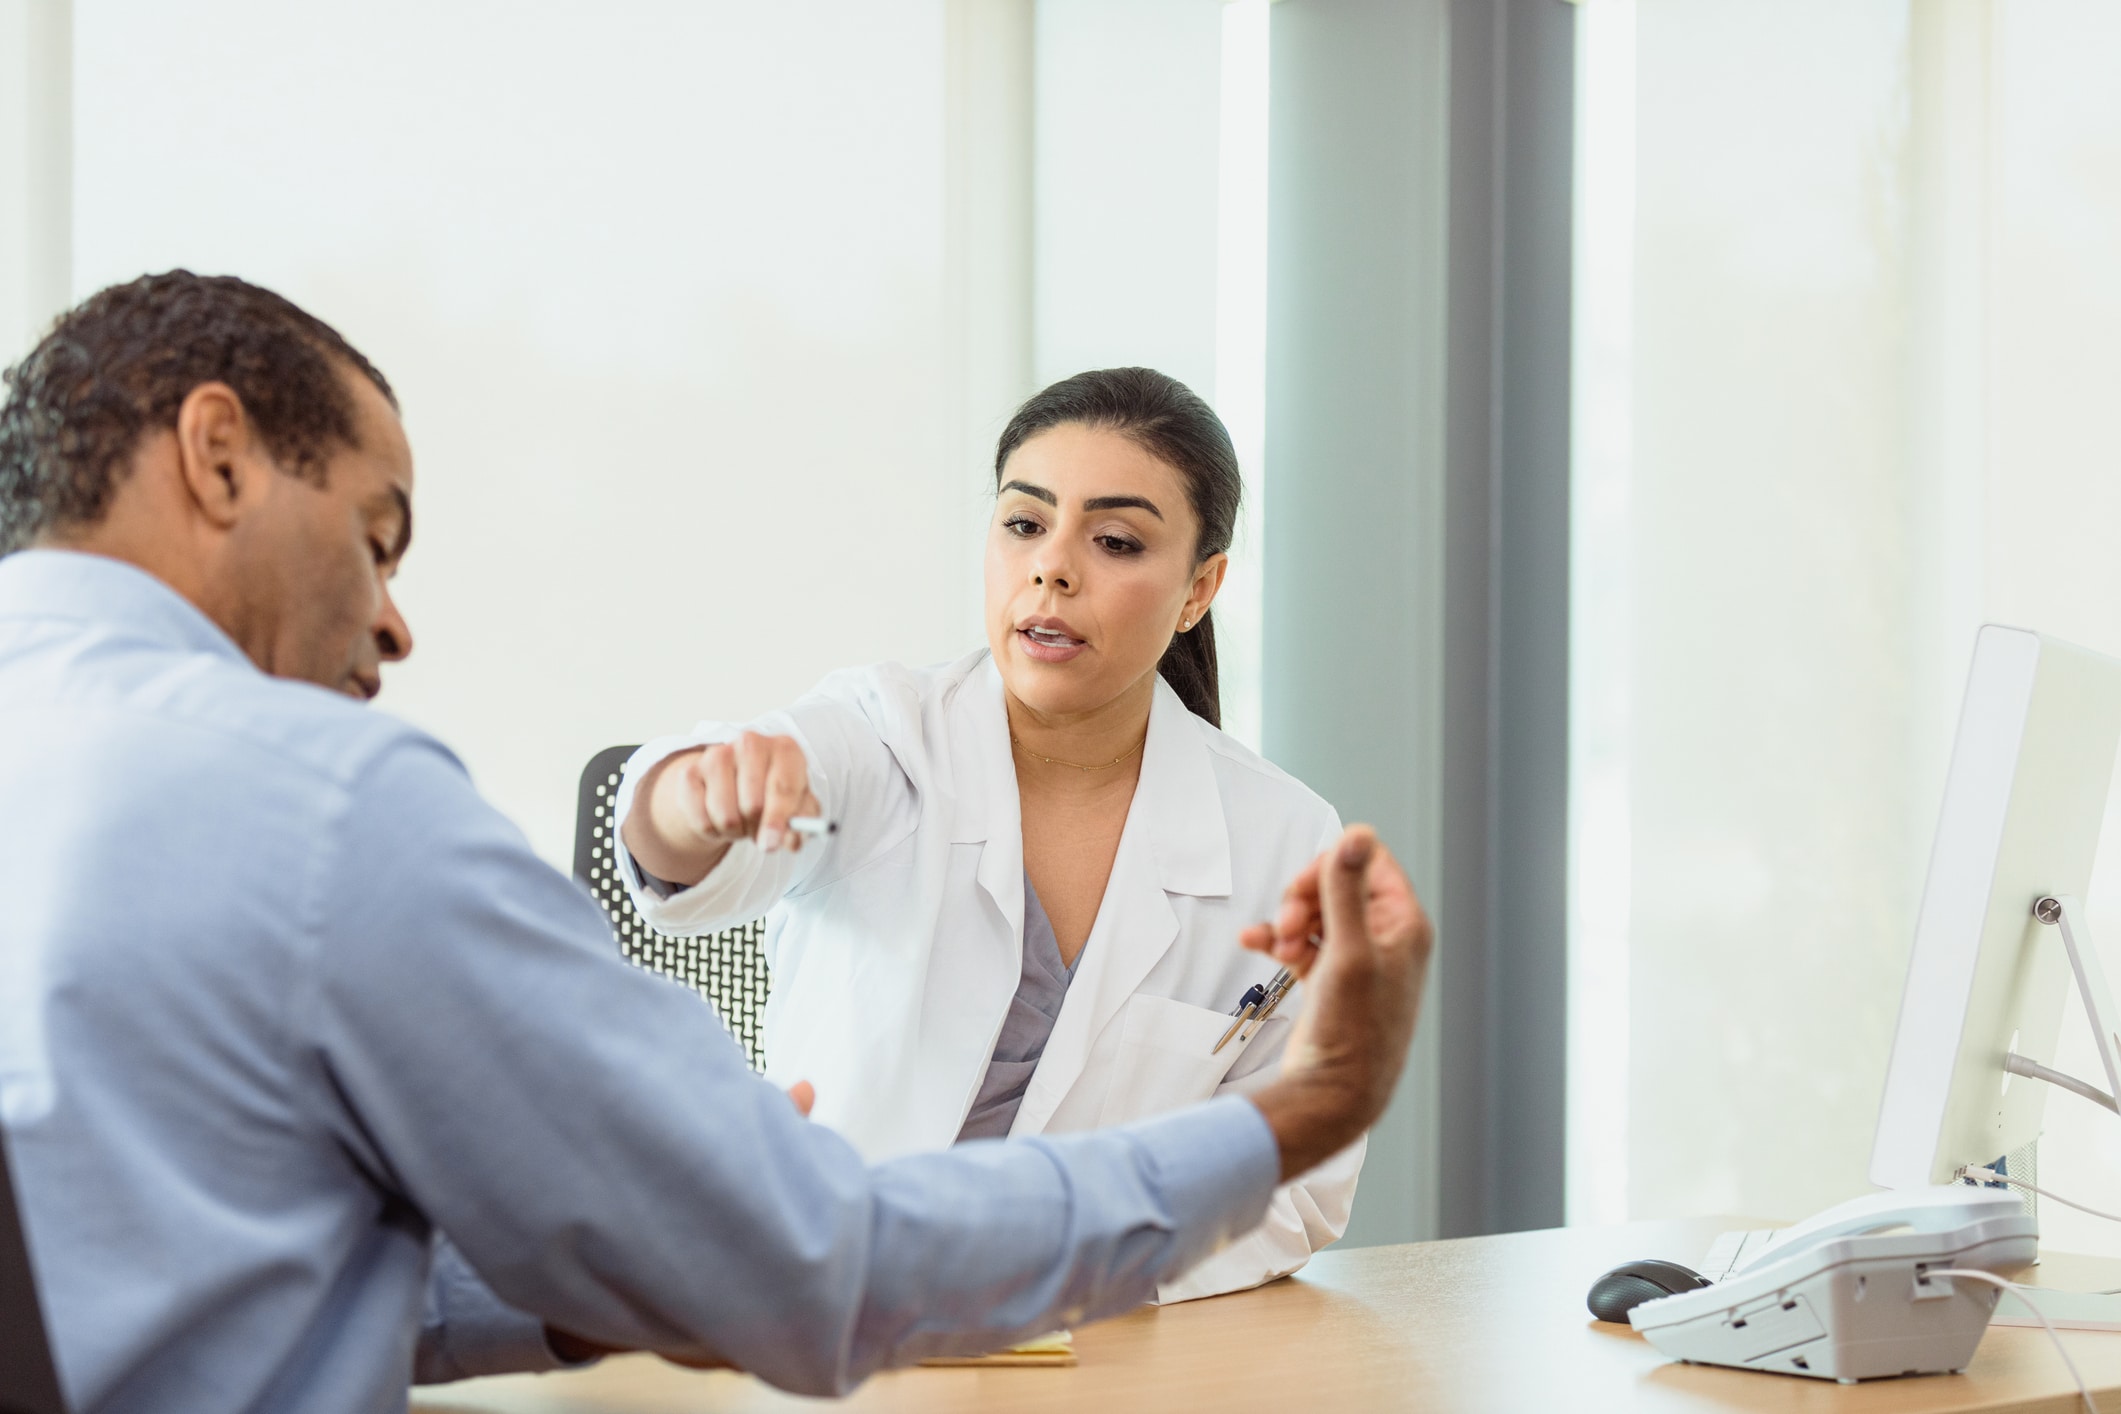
896	944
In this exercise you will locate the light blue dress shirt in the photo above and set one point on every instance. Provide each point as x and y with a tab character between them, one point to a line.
281	998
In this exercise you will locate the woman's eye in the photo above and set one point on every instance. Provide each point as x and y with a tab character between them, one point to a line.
1021	526
1119	545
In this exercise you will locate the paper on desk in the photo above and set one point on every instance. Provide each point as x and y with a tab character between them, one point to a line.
2068	1310
1055	1349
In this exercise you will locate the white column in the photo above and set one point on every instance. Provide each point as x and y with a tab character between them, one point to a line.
987	250
1150	200
36	169
1950	212
1601	619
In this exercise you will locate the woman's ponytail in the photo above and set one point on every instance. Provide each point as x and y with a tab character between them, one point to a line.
1172	423
1189	666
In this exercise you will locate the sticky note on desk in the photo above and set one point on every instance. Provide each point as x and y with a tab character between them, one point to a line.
1056	1349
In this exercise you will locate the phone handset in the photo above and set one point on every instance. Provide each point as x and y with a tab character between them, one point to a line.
1938	1209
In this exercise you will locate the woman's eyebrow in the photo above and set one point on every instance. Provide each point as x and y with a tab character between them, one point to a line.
1120	503
1036	492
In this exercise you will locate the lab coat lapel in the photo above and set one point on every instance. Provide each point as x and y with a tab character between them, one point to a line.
987	812
1176	841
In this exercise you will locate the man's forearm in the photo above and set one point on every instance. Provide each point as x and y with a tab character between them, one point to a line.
1094	1222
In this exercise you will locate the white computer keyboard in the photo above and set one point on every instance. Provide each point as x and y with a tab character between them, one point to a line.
1732	1250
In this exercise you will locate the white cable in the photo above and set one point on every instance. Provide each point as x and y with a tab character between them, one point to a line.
2023	1294
2033	1070
1980	1175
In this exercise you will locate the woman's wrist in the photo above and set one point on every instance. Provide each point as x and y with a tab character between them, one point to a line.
654	832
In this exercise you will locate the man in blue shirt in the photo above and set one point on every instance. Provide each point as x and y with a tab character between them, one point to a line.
282	999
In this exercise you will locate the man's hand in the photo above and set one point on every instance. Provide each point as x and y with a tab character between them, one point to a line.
1352	929
692	806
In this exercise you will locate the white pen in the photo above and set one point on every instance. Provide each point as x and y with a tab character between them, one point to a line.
813	826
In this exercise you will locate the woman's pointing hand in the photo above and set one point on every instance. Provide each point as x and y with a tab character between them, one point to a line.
693	805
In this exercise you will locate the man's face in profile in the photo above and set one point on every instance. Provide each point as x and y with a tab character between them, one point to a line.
318	559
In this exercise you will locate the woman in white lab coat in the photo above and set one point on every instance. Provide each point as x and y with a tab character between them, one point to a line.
1026	920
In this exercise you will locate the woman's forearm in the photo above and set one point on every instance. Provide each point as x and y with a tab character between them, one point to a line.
657	833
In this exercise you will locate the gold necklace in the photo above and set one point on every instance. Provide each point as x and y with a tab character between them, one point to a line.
1077	765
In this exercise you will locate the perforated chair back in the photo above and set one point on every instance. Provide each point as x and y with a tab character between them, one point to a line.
28	1382
727	968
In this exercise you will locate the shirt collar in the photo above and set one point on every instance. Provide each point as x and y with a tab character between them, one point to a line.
70	584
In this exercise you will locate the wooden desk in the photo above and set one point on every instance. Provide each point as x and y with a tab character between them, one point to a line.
1489	1324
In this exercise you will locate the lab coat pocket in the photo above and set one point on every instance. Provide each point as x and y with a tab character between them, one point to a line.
1167	1058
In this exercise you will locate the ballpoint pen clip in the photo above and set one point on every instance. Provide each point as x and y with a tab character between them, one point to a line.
1276	990
1254	998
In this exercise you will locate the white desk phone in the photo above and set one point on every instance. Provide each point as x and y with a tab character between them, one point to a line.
1852	1293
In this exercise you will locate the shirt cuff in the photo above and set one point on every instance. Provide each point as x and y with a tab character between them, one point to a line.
1217	1161
631	869
468	1331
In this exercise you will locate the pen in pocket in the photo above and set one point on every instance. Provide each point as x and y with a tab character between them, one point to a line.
1256	1004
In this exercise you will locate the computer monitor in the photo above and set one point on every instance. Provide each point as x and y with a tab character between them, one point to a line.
1990	973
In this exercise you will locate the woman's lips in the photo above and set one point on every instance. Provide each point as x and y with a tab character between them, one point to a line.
1048	646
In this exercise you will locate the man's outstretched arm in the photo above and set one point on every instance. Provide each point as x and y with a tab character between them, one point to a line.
595	1145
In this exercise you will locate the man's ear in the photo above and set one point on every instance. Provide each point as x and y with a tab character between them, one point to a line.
218	454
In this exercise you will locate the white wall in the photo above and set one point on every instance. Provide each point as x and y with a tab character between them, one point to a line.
663	290
1126	136
1859	381
704	316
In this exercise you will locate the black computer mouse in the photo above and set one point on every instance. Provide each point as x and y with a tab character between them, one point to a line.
1630	1284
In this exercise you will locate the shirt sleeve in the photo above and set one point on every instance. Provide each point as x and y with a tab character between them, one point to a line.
859	783
595	1145
466	1330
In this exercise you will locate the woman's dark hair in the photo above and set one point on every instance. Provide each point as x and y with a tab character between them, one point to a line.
1172	423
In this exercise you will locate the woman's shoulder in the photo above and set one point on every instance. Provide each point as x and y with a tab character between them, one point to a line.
1253	784
894	684
910	710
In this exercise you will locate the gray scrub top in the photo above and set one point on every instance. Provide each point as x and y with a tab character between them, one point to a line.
1040	990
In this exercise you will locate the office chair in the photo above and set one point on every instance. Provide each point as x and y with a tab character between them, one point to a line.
29	1383
727	968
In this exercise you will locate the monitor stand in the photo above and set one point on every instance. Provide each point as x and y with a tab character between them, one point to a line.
2066	914
2075	1292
